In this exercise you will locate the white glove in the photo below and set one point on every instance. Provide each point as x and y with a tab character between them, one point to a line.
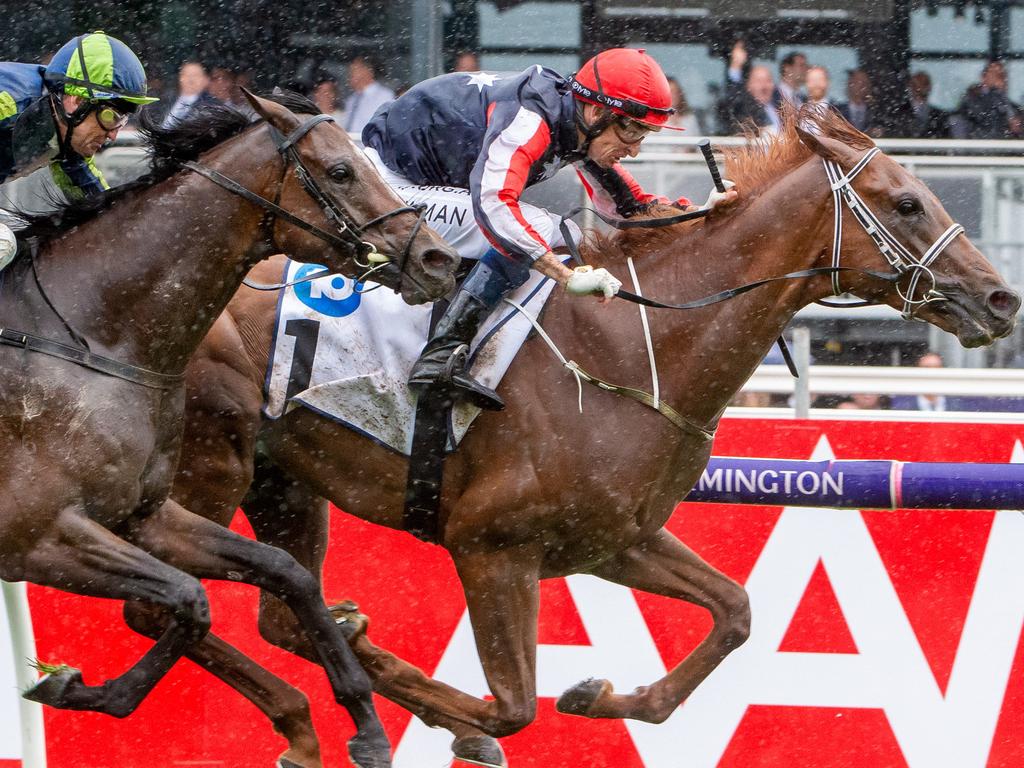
8	245
717	197
587	280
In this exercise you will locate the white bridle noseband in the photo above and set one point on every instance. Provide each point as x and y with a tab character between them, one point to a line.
899	258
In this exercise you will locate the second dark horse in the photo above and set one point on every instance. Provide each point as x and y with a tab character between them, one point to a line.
90	456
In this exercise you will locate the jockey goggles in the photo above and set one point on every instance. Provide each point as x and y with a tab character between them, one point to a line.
630	131
109	118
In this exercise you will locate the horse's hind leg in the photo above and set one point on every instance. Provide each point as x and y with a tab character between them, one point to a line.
85	558
286	707
663	565
208	550
288	515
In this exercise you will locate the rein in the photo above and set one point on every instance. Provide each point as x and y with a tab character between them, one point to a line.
349	238
893	251
81	354
724	295
349	235
83	357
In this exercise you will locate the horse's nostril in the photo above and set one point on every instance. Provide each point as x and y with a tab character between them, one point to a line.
1004	303
437	260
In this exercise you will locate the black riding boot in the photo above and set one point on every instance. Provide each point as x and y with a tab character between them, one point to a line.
444	360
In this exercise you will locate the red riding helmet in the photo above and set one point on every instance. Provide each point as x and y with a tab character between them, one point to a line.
627	81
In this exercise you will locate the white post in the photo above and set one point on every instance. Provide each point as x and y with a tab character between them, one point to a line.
802	358
23	646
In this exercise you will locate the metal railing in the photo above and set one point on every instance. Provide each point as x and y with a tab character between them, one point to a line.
887	380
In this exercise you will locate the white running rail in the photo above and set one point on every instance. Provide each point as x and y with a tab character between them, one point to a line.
884	380
19	620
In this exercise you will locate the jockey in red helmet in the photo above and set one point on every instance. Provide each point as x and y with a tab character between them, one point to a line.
481	139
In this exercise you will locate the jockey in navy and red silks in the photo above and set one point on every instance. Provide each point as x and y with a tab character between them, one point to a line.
495	135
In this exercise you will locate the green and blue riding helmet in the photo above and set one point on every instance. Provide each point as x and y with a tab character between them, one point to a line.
97	68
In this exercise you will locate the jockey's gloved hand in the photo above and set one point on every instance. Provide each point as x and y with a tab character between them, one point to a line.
8	245
716	198
587	280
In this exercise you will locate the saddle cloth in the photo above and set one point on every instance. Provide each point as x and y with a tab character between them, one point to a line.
347	355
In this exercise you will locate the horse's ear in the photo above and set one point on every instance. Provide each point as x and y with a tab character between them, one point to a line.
278	116
828	148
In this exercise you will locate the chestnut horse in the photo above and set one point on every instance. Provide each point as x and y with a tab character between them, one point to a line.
97	324
539	490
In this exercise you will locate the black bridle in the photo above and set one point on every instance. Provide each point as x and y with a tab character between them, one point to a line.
348	238
349	234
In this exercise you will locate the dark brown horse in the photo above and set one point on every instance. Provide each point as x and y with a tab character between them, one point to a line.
539	490
90	454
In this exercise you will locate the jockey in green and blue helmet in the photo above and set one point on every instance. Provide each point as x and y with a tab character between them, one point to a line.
59	116
95	74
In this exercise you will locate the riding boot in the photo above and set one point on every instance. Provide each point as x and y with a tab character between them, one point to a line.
445	358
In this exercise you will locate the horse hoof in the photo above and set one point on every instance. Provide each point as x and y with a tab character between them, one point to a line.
284	762
353	623
370	751
581	697
53	689
479	750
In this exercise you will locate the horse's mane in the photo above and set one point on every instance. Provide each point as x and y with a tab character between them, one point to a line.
754	166
203	129
764	159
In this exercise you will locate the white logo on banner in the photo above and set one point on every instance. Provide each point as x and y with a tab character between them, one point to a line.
890	672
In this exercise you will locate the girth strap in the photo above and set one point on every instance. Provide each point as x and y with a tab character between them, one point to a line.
141	376
646	398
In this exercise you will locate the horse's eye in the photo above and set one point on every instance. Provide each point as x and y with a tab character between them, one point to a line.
340	173
908	207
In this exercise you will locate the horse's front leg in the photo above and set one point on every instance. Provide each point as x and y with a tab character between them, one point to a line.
503	598
663	565
208	550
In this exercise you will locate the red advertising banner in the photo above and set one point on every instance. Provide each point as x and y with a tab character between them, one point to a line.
879	639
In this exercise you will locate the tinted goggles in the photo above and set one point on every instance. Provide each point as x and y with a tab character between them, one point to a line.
630	131
109	118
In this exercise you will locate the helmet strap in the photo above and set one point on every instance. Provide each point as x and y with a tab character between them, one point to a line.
70	121
590	131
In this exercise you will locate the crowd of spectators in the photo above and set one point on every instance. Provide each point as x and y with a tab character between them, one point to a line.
753	95
222	84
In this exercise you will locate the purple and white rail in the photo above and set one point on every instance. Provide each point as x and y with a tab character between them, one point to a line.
861	484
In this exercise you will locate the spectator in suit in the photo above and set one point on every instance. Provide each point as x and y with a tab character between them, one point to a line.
792	78
325	96
818	101
193	84
367	95
466	61
751	101
925	121
818	84
924	402
684	116
986	111
224	86
857	108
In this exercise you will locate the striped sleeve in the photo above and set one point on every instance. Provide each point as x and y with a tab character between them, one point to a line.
615	192
516	138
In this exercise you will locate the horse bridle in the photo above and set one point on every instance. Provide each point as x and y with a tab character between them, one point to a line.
893	251
349	233
349	237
